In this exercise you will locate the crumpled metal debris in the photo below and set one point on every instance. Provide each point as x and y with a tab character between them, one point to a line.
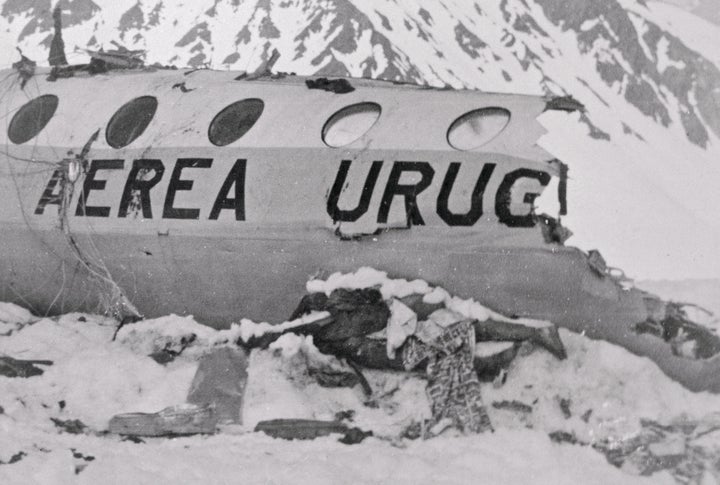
182	87
669	321
516	406
329	377
119	58
220	381
337	86
678	448
172	350
563	103
263	70
185	419
25	68
72	426
597	262
308	429
553	231
56	56
101	61
215	396
10	367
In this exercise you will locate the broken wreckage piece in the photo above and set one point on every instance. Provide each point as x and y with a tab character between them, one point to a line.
179	420
337	86
308	429
220	382
215	397
10	367
669	321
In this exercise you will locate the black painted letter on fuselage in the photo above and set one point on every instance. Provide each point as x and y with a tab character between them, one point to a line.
176	184
476	200
236	177
504	196
352	215
91	184
137	189
49	196
409	192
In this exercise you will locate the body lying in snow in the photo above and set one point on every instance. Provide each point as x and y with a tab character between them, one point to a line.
363	328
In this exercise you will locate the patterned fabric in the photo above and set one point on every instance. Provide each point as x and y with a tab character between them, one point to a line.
453	387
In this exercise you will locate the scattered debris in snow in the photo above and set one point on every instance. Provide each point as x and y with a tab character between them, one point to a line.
602	415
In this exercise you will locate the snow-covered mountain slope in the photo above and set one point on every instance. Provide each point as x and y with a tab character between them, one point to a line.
643	158
696	34
707	9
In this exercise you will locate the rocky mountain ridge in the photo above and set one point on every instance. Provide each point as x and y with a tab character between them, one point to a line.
508	46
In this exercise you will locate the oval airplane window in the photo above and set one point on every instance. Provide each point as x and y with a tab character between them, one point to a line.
477	127
350	123
230	124
31	118
130	121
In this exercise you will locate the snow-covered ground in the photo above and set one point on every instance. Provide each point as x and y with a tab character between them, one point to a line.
601	396
639	190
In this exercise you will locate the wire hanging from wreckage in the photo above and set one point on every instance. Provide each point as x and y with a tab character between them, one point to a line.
113	300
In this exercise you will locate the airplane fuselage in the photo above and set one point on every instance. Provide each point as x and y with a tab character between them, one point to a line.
203	194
